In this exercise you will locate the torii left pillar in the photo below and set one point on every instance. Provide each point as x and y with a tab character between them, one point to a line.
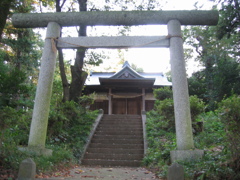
38	131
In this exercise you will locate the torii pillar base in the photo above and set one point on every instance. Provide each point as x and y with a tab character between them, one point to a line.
36	150
186	155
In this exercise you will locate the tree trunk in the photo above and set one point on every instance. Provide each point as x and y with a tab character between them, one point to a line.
65	84
78	75
209	73
4	12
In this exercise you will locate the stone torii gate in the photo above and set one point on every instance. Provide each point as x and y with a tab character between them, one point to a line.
173	20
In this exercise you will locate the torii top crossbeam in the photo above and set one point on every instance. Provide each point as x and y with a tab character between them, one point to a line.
128	18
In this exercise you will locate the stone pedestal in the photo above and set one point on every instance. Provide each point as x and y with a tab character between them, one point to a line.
27	170
175	172
186	155
36	150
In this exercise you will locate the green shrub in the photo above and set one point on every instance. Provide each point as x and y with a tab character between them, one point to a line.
229	113
213	165
163	93
70	123
69	126
165	110
197	106
213	134
160	141
14	129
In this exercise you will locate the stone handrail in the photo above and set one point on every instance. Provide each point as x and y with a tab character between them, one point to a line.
94	127
144	117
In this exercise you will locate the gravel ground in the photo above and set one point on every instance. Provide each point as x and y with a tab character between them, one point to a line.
117	173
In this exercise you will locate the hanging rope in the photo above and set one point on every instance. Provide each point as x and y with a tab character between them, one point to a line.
53	43
125	96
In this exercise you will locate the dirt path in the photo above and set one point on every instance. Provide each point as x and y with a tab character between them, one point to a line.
117	173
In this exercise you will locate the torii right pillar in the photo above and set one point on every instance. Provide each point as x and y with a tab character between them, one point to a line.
185	145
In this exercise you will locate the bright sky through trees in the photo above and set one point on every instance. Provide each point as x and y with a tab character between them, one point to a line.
156	59
150	59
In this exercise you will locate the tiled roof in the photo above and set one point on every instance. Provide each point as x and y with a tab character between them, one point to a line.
127	72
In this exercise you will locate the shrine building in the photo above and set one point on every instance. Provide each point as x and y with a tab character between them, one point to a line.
125	91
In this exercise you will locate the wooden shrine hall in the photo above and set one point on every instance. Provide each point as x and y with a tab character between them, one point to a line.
125	91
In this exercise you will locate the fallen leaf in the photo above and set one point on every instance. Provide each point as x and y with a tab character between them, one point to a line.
79	171
110	169
89	176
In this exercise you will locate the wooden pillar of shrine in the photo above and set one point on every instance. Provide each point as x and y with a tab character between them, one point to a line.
110	102
143	100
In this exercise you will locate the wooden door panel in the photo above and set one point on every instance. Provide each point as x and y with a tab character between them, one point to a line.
134	106
119	106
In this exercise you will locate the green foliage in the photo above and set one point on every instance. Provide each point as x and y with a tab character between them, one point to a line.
210	167
230	115
12	86
219	139
160	143
212	140
163	93
86	100
14	125
230	18
218	55
14	128
224	82
61	156
197	106
70	124
160	128
213	133
165	110
197	85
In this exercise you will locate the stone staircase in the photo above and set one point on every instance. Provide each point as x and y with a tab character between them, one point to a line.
118	141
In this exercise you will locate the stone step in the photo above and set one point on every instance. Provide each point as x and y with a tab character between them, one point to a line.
119	141
120	116
119	123
118	130
129	127
110	163
114	156
118	126
116	146
114	151
96	136
121	126
119	133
